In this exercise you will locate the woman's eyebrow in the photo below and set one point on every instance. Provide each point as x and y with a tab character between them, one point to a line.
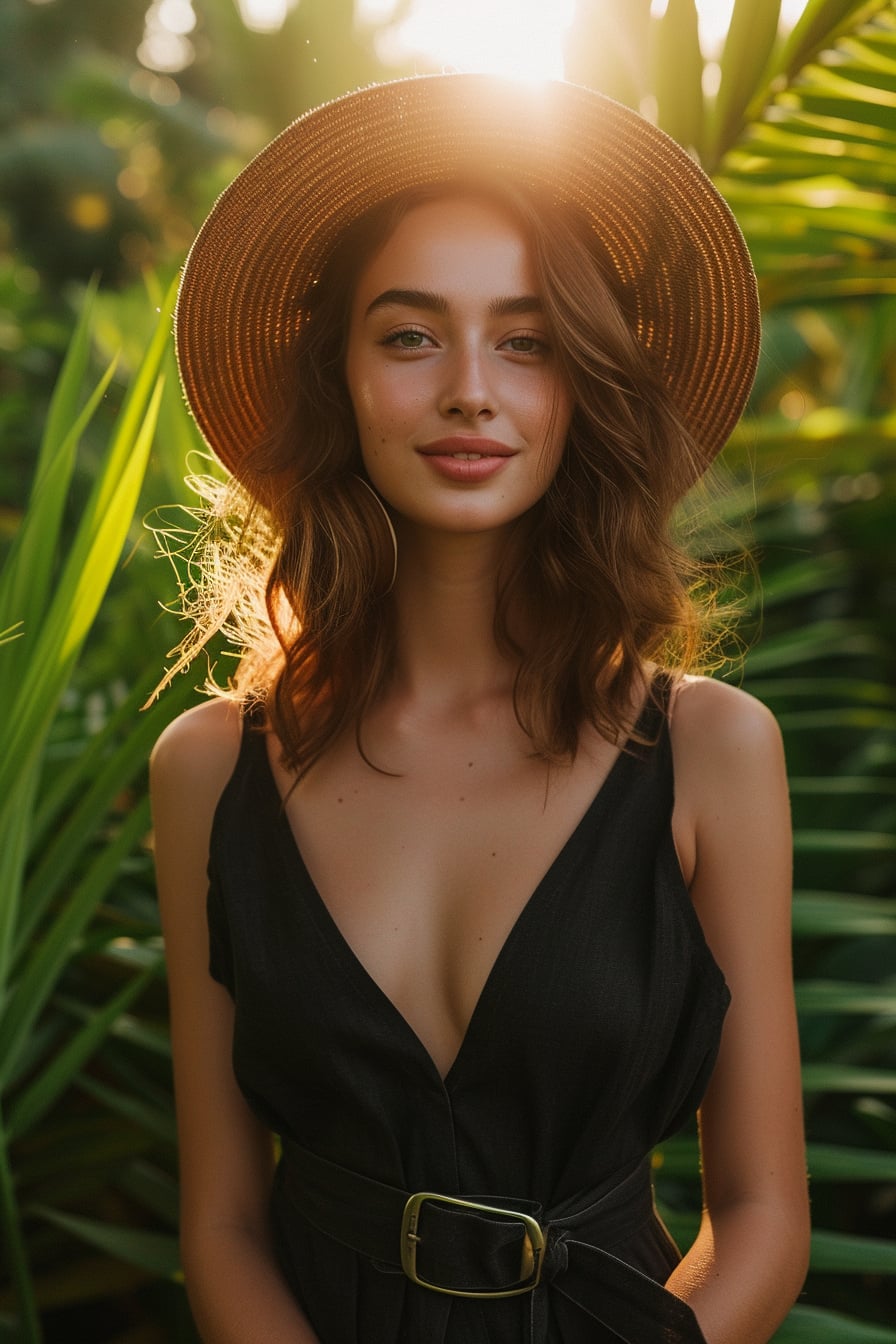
512	307
437	303
408	298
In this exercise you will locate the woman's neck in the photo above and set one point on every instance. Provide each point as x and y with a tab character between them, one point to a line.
445	597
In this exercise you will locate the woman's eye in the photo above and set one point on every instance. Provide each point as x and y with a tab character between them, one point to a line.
525	345
407	339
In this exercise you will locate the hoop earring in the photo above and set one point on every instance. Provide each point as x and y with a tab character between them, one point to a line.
367	486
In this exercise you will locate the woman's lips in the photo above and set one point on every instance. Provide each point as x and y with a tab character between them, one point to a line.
466	459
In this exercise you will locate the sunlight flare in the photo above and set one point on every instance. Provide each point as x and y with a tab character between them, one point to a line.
521	38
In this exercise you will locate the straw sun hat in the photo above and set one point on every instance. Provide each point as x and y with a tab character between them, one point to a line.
671	248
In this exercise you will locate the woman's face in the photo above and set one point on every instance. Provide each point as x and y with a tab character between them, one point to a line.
461	407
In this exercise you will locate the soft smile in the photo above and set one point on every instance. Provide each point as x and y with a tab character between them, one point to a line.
467	448
466	459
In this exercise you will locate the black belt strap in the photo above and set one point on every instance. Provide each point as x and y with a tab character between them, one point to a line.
472	1251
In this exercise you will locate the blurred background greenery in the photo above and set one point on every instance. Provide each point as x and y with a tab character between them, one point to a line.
120	120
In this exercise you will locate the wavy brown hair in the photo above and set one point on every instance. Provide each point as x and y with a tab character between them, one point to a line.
600	586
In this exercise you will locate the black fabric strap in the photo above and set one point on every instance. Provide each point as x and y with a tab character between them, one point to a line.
469	1251
358	1212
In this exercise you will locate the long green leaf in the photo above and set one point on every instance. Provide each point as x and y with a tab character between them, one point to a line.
155	1252
150	1119
831	997
813	1325
837	1253
29	566
788	692
38	977
88	568
50	657
844	842
745	57
49	1085
676	72
827	1162
836	1162
151	1036
77	599
91	785
15	835
91	562
156	1190
843	786
15	1253
77	1155
66	783
815	643
821	1077
826	915
84	1278
25	574
818	25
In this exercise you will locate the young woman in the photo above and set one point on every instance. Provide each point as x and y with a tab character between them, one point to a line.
433	914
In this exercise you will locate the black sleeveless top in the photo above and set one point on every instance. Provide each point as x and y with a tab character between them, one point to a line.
593	1040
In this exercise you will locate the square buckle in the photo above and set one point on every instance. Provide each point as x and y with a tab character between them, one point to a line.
532	1255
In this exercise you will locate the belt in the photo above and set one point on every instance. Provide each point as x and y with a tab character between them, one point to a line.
498	1248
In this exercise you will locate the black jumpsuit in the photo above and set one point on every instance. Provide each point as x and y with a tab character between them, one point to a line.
593	1039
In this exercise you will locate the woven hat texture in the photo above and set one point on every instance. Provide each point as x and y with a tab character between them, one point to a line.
671	247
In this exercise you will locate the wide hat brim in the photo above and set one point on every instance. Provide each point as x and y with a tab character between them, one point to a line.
671	247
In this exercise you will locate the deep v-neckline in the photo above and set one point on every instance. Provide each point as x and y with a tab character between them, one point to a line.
354	964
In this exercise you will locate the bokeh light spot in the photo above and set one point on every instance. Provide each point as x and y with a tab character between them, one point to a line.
88	211
265	16
132	184
177	16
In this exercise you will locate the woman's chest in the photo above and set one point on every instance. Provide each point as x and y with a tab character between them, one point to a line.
425	875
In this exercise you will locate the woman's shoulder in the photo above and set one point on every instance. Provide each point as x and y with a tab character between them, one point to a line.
197	752
731	791
719	718
721	735
705	708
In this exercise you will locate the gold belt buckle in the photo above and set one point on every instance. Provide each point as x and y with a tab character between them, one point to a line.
532	1255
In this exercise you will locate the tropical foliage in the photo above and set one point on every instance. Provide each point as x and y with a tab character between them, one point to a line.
800	134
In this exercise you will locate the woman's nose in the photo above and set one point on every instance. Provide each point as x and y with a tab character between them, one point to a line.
468	391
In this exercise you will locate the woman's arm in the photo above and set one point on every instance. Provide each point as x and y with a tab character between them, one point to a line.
732	825
236	1291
